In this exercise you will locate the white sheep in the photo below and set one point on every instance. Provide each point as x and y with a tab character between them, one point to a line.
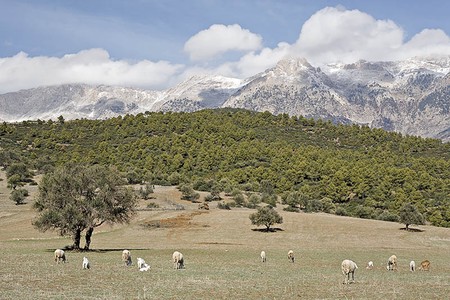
369	265
392	263
142	265
412	266
291	255
348	267
178	260
86	265
126	257
263	256
60	256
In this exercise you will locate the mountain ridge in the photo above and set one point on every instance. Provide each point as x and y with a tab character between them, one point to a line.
410	96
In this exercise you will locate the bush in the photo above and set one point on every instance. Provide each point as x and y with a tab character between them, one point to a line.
388	216
152	205
269	199
341	211
291	208
223	205
18	196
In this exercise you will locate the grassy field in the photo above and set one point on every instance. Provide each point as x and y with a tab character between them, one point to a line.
222	256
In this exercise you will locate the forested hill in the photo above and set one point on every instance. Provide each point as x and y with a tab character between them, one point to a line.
312	165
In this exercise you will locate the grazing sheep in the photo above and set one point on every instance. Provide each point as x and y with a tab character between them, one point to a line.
412	266
348	267
263	256
86	265
370	265
392	263
142	265
425	265
178	260
126	257
291	255
60	256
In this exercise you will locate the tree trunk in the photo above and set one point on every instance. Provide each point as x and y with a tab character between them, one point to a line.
88	237
76	239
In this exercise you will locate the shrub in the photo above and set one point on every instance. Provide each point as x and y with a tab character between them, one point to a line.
152	205
223	205
388	216
341	211
19	196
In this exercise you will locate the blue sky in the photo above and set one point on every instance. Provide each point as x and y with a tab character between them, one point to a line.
154	44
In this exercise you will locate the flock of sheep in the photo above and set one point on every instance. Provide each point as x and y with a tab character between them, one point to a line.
177	258
348	266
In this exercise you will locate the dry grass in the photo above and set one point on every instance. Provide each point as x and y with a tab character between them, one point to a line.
222	257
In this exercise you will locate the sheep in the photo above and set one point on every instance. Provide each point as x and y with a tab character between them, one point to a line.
263	256
142	265
370	265
178	260
392	263
425	265
291	255
126	257
348	267
60	256
86	265
412	266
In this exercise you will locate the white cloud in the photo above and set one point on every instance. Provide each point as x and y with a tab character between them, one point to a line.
329	35
219	39
93	66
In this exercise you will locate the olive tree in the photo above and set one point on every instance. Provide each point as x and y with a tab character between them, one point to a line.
266	216
75	198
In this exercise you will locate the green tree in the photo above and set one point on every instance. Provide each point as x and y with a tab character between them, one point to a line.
266	216
409	214
75	198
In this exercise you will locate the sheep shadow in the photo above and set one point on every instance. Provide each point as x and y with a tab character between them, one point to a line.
274	229
412	229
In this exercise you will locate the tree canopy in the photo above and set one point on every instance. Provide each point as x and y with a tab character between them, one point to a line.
266	216
409	215
74	198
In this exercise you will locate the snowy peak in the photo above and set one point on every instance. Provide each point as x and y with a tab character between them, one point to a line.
410	96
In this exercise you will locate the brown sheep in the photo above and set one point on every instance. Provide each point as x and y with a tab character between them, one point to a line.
425	265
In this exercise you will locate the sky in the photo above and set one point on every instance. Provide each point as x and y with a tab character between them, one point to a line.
155	44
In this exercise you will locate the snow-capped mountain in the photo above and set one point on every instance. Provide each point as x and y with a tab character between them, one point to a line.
411	96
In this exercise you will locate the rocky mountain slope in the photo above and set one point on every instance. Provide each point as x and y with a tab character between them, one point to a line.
411	97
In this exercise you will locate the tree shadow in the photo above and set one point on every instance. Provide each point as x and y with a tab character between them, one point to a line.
274	229
412	229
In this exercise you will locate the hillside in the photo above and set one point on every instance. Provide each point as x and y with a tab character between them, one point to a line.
309	165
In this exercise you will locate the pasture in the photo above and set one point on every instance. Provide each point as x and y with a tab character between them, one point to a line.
222	256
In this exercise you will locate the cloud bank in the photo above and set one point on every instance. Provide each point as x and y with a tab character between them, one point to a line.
332	34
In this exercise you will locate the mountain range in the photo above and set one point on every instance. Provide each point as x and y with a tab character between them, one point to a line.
410	96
